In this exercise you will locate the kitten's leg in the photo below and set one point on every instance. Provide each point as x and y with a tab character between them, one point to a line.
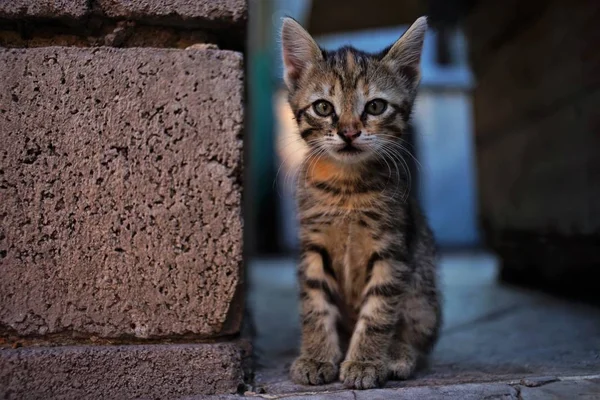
403	359
320	351
416	333
366	363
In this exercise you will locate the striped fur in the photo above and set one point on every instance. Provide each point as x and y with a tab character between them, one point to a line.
369	300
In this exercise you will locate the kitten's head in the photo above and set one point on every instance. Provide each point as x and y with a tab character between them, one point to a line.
351	105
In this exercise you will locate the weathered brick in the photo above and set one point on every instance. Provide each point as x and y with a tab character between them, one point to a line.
43	8
196	13
120	192
224	12
120	372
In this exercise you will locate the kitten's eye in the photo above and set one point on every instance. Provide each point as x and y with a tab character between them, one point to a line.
376	107
323	108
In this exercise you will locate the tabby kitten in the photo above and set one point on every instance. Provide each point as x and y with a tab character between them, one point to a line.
369	297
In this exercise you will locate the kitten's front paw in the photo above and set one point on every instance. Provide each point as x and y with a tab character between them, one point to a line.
306	371
363	374
402	368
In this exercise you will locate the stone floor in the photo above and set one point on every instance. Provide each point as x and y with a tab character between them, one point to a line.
497	341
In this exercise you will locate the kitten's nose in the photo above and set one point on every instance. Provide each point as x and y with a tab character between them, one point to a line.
348	135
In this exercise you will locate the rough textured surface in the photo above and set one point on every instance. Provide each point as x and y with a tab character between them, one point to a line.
43	8
462	392
568	389
120	372
113	34
208	13
119	192
229	11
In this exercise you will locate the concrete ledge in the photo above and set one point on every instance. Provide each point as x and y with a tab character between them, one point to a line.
73	9
120	372
231	12
120	196
568	388
199	13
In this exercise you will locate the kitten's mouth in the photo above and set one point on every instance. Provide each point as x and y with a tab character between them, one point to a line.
349	149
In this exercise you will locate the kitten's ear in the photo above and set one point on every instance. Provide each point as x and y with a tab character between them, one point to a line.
405	55
299	51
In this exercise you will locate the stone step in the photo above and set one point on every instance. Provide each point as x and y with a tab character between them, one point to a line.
565	388
121	372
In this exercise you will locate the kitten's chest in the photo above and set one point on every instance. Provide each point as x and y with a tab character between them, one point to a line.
352	247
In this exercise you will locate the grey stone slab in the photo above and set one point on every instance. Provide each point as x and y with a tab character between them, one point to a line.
13	9
454	392
120	372
472	291
345	395
120	192
563	390
496	391
569	388
538	381
548	338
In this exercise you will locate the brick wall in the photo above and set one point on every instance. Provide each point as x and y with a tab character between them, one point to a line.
537	136
120	198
